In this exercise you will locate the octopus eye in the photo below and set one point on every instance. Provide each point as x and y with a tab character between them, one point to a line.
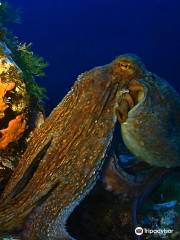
125	66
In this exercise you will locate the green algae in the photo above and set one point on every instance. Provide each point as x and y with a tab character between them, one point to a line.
31	64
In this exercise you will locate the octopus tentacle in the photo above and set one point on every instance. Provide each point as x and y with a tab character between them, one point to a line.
128	98
72	160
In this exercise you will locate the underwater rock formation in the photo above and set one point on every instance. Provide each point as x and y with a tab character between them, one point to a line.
17	117
14	104
20	95
66	155
14	99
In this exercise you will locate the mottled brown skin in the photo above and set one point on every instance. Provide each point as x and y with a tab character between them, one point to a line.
152	129
66	154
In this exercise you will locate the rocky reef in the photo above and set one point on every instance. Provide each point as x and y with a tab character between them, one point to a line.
20	95
104	162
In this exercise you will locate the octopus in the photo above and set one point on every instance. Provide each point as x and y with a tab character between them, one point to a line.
68	153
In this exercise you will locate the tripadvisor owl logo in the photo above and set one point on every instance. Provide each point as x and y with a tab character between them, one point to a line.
138	231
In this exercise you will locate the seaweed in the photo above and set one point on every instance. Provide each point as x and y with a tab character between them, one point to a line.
31	64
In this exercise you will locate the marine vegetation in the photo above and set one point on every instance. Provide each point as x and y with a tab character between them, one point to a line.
79	144
30	63
20	96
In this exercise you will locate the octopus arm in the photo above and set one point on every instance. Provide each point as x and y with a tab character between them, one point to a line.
75	138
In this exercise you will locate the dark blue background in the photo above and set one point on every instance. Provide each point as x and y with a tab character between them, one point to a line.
76	35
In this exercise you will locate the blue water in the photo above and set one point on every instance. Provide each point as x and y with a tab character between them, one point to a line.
74	36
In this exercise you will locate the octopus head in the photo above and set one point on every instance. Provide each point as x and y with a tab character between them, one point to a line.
127	71
127	67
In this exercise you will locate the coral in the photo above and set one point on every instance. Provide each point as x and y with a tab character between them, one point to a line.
13	132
